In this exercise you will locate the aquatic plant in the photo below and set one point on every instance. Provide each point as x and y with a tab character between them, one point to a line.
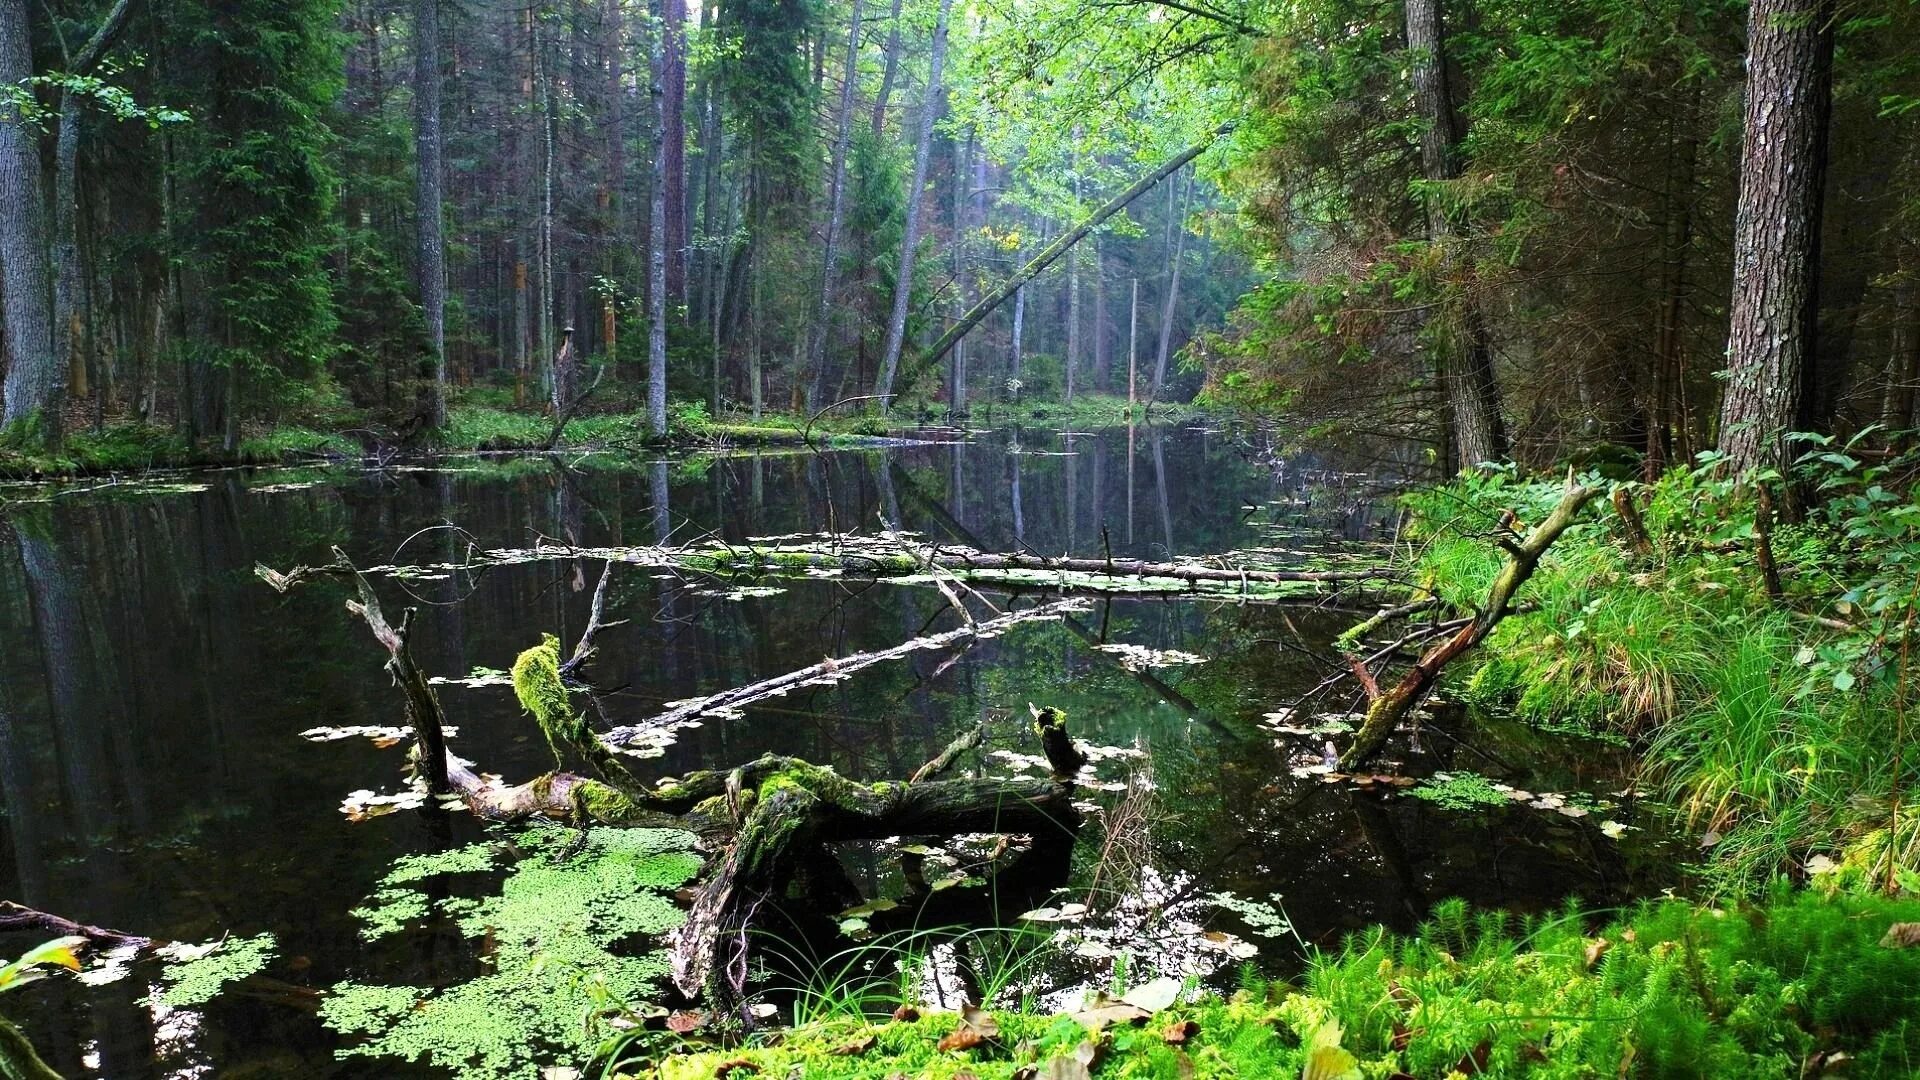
196	974
568	934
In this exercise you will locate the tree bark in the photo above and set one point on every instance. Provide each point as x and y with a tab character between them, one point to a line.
1176	213
887	74
36	380
1466	371
674	120
910	240
432	267
817	330
657	233
1776	229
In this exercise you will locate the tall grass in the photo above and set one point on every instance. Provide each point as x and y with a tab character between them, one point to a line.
1772	726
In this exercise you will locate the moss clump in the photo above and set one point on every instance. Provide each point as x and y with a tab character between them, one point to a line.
1669	990
561	932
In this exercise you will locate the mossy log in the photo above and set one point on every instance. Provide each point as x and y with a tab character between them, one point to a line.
767	820
1388	707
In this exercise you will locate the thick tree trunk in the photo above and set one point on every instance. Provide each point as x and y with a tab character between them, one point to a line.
817	331
910	238
1466	370
1776	241
36	379
432	268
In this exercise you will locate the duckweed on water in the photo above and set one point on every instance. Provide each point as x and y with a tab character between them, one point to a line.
196	974
568	937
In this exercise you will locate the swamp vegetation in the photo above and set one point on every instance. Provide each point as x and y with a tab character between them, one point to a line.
1345	539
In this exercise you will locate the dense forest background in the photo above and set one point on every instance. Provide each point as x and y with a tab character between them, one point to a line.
1508	230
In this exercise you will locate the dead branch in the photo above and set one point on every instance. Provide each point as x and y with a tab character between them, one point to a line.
1387	708
423	705
768	818
945	759
833	670
19	917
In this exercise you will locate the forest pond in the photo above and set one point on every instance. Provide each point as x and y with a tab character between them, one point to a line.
154	692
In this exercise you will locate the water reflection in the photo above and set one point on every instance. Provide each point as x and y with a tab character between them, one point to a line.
151	691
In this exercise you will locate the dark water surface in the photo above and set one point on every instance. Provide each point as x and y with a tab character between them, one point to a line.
152	692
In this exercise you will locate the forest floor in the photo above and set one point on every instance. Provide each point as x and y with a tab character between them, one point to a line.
483	425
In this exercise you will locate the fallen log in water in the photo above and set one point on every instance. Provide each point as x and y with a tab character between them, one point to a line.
890	556
1387	706
767	820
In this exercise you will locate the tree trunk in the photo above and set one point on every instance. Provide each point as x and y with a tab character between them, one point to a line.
817	332
35	382
1019	324
674	119
910	240
432	248
1466	372
1776	241
1176	213
657	233
1073	288
887	75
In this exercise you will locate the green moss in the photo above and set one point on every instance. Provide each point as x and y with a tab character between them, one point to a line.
199	980
1669	989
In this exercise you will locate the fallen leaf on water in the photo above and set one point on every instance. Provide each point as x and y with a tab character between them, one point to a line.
1901	935
1612	830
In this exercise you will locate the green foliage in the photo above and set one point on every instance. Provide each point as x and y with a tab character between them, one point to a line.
256	190
567	947
1460	791
1774	726
1668	989
206	971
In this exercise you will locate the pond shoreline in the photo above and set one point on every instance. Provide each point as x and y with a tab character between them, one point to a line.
134	447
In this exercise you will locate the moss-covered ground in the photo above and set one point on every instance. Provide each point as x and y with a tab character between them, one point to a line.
1797	984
